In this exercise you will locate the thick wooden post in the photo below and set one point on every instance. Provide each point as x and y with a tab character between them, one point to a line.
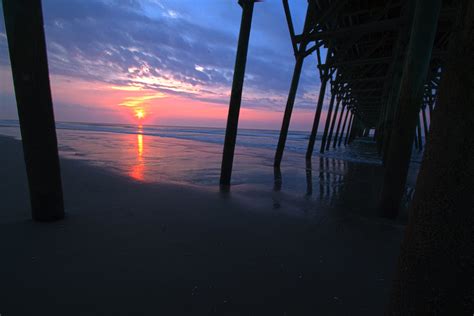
236	94
338	129
288	110
26	43
328	121
403	131
317	116
277	179
435	269
331	130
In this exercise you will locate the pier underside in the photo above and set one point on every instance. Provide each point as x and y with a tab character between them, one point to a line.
381	62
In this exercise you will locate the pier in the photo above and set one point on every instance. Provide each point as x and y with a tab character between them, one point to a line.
381	62
398	71
387	62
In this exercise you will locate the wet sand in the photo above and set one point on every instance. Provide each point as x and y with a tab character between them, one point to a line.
129	247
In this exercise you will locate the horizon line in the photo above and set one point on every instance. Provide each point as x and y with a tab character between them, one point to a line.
164	125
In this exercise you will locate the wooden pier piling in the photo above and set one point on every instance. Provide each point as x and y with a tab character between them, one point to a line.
317	116
435	268
403	130
328	121
333	123
348	111
338	129
288	110
349	128
300	54
236	94
27	47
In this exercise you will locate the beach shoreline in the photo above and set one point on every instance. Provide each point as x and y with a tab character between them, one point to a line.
349	177
128	247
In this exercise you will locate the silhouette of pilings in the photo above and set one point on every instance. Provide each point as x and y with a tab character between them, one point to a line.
333	123
338	95
417	61
371	58
236	94
336	136
300	52
356	83
392	87
349	128
27	47
328	120
348	111
314	130
429	96
367	48
434	271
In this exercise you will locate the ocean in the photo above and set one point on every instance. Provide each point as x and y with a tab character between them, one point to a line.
192	156
297	141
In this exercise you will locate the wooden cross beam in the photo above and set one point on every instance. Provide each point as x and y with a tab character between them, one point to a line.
356	30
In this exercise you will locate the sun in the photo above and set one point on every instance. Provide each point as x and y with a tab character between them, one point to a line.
139	114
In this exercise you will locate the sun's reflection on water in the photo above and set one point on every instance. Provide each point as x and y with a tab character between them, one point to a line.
138	169
140	146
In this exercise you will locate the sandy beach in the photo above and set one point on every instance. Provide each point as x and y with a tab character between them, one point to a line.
130	248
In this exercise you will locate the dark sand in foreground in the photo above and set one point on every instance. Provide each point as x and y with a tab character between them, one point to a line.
128	248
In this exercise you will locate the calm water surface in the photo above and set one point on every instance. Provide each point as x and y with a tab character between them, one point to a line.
347	176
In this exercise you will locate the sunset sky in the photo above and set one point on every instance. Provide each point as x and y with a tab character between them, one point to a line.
170	62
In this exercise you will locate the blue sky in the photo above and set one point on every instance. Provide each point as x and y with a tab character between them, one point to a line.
167	54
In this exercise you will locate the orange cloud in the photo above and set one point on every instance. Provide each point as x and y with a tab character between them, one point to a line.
120	104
